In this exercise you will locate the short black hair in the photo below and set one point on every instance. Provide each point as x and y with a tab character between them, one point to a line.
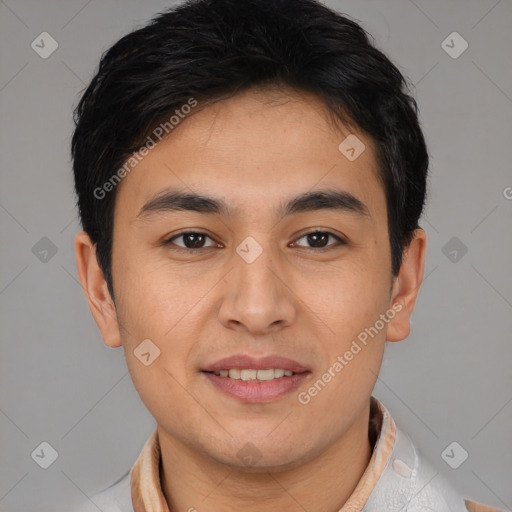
212	49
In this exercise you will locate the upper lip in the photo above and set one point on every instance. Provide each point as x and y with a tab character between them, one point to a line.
242	361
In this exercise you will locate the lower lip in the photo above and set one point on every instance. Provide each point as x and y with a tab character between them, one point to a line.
254	391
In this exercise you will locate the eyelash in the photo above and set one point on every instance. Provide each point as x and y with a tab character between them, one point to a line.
169	241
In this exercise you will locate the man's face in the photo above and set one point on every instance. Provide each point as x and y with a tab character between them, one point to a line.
252	282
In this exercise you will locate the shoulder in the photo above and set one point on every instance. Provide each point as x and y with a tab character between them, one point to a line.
115	498
472	506
409	482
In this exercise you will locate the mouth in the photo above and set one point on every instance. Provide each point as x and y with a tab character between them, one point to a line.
254	380
248	374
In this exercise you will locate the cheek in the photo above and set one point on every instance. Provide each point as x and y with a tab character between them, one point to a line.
152	297
352	360
159	387
348	301
354	340
157	346
160	304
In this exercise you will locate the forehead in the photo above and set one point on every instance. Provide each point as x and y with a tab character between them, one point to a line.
259	146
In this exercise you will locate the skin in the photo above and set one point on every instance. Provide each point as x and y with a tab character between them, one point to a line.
254	150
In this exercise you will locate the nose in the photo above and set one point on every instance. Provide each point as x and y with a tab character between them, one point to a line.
258	298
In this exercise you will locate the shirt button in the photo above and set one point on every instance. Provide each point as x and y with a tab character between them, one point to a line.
402	468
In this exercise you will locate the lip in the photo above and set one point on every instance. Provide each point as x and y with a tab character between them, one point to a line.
256	391
241	361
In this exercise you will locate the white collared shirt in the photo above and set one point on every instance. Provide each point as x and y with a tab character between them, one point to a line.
397	479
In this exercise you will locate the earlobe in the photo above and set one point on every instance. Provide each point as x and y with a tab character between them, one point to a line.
96	290
406	287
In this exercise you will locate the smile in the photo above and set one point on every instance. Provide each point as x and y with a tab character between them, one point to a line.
251	374
255	386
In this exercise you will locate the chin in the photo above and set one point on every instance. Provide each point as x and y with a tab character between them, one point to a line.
262	457
266	464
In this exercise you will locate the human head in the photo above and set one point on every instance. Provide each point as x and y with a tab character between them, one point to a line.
209	50
273	88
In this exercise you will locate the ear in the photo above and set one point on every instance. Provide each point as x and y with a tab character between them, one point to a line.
406	287
96	290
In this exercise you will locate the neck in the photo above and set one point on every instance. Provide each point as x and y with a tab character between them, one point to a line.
194	481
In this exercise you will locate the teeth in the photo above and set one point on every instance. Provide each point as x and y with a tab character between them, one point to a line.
265	374
250	374
234	373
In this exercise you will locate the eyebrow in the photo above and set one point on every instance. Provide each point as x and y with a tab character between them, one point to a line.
175	200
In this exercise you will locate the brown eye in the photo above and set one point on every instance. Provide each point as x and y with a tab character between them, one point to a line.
320	239
191	240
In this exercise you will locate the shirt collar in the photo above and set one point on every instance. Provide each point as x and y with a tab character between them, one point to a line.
146	490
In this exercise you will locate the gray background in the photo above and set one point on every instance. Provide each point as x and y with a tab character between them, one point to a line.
449	381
